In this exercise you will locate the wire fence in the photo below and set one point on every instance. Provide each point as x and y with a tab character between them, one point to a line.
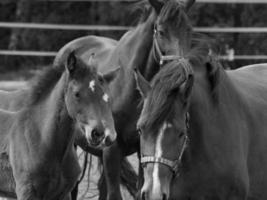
72	27
124	28
198	1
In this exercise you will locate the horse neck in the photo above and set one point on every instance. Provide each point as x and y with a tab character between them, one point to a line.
211	113
55	125
137	45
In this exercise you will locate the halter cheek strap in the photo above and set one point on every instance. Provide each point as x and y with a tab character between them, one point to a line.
172	164
162	58
169	163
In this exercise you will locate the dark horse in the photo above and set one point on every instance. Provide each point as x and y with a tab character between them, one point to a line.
38	160
203	131
144	47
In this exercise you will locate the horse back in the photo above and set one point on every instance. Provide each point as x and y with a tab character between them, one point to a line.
13	100
251	83
100	47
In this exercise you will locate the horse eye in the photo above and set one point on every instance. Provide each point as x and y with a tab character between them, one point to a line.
161	32
181	134
77	95
139	131
101	80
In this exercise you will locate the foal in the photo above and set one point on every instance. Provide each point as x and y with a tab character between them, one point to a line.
37	141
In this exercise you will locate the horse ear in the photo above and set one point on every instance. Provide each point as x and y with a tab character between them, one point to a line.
157	5
142	84
188	4
186	87
110	76
92	61
71	62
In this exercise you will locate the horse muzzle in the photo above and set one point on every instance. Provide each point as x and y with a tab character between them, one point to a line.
148	195
98	137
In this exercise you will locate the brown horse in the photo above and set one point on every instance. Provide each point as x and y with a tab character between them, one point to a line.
37	141
143	47
203	131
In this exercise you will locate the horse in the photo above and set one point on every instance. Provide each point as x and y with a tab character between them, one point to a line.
145	48
38	160
202	130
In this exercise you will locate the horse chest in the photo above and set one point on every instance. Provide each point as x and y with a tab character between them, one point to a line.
58	182
67	175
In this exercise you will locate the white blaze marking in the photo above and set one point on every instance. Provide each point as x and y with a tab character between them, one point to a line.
92	85
105	97
158	153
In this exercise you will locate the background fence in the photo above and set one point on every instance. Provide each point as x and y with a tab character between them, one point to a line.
14	26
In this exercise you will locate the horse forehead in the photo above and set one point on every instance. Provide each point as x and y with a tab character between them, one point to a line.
165	126
105	97
92	84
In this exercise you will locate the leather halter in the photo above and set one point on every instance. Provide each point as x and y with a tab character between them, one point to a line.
162	57
174	165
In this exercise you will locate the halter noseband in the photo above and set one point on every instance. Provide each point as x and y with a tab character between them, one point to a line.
172	164
162	57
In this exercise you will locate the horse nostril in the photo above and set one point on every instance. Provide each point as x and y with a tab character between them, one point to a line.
164	196
96	134
108	141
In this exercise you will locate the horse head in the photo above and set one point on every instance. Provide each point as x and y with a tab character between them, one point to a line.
163	126
172	29
88	101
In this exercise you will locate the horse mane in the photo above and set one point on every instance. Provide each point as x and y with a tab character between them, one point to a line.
160	102
44	82
165	84
214	73
173	12
205	51
142	9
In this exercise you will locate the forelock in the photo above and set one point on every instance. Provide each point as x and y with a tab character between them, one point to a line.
173	12
159	104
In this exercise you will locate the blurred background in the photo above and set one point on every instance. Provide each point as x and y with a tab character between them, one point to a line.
31	31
